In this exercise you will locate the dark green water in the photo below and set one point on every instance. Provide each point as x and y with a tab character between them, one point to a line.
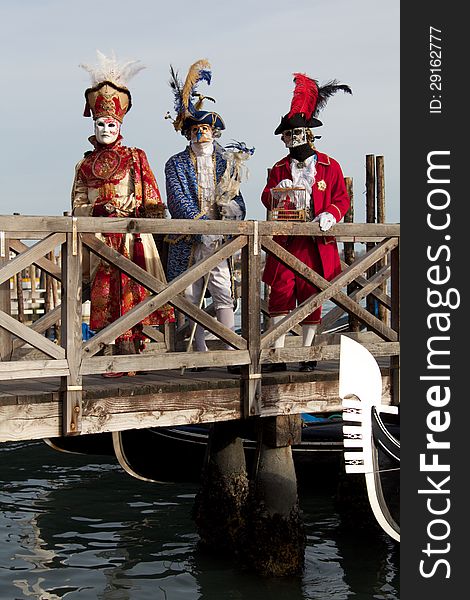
79	528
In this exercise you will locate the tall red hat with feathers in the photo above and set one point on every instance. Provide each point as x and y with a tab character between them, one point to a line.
307	101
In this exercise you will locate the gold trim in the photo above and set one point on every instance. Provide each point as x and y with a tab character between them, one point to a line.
320	162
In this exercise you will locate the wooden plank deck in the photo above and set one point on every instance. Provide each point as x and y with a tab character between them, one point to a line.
32	409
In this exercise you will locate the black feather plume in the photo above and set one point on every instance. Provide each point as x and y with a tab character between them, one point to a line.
177	87
326	91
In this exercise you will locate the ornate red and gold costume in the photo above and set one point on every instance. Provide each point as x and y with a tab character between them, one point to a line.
320	253
119	177
116	181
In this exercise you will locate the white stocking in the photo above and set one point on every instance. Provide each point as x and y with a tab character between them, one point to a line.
227	318
308	334
279	343
200	338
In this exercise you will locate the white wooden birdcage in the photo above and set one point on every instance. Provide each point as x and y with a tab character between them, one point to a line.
290	204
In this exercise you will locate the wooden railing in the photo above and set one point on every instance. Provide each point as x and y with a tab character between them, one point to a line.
74	358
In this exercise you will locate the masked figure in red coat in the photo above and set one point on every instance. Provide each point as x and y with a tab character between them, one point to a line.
326	200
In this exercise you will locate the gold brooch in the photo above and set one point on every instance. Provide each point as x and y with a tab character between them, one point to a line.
321	185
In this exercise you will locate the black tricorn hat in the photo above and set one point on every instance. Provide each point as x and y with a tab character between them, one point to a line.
297	120
201	117
307	101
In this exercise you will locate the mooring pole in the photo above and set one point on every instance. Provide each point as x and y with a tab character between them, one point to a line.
276	541
380	169
350	251
370	218
220	505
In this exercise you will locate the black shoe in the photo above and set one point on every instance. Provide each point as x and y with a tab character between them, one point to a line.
273	368
234	369
308	366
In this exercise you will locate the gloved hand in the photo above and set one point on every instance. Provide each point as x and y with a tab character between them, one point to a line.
211	240
285	183
231	210
101	209
326	220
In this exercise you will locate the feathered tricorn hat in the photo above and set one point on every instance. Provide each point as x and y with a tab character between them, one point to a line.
188	102
307	101
109	95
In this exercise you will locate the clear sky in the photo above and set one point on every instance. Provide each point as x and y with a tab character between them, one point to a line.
253	47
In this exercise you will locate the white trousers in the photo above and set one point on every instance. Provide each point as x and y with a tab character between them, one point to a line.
219	284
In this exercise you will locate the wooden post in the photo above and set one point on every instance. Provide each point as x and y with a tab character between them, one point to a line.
370	217
48	301
55	293
395	323
6	341
276	542
20	296
32	276
170	336
266	287
34	294
58	294
251	309
42	283
71	333
19	291
349	250
383	313
220	505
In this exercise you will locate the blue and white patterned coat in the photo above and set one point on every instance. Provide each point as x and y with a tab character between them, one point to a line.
182	201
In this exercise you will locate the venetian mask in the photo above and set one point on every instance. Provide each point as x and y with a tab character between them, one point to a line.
294	137
106	130
201	133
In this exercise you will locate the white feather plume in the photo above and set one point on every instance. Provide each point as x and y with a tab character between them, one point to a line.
109	69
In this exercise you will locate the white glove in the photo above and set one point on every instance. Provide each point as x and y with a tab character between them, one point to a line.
326	220
210	240
285	183
231	210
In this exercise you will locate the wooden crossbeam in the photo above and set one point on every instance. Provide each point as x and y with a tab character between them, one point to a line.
49	319
381	296
369	286
324	352
330	290
166	293
42	324
25	369
43	263
167	360
22	227
153	333
30	336
30	256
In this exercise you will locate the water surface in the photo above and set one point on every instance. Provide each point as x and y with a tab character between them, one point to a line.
79	528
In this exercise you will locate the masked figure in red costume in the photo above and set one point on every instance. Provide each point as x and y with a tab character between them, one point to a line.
116	181
322	179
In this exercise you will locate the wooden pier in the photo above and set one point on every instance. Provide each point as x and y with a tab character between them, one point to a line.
57	390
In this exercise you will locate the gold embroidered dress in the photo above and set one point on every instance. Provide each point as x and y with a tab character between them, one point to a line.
116	181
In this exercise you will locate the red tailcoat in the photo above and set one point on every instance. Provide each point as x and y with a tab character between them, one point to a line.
320	253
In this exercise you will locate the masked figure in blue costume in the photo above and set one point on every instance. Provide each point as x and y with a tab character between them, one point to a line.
202	182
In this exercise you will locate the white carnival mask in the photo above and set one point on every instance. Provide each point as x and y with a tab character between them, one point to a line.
294	137
201	133
107	130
